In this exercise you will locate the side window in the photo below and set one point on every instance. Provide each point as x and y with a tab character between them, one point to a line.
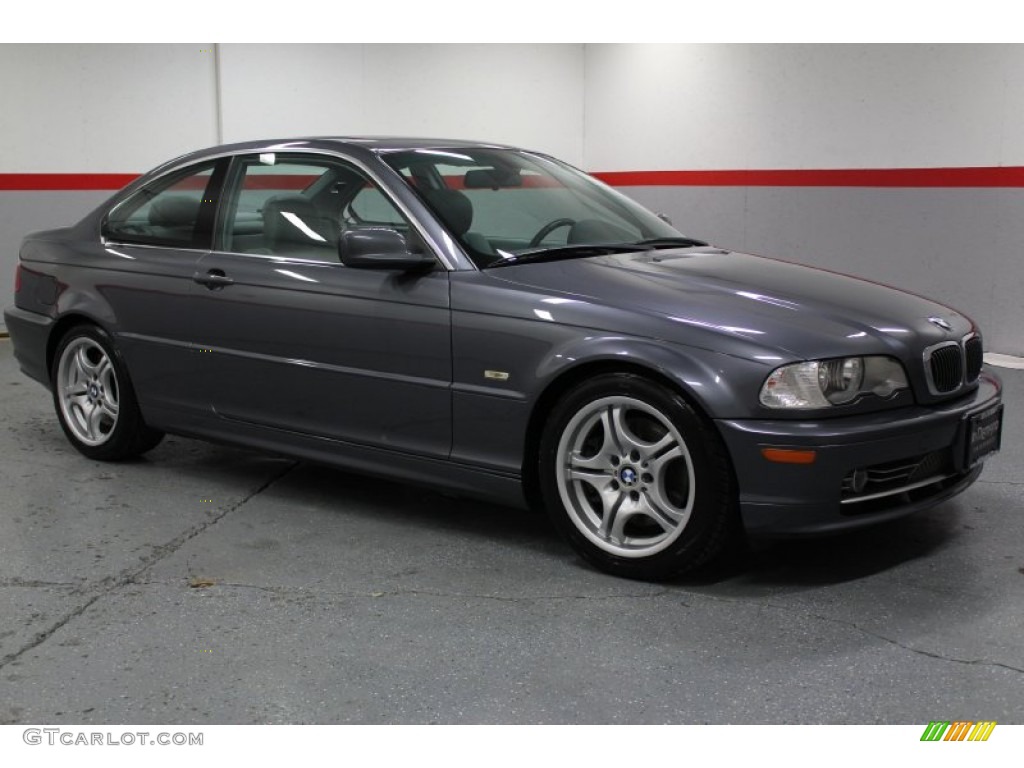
369	207
164	213
297	205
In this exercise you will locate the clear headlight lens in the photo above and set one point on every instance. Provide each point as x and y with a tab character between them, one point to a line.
824	383
840	380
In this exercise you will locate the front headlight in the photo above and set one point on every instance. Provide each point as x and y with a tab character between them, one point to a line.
824	383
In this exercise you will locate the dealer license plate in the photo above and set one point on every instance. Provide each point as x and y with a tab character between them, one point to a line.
984	434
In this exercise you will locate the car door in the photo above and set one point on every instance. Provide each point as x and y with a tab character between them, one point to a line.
291	339
152	243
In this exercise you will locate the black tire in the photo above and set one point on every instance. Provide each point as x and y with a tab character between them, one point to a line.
94	398
627	506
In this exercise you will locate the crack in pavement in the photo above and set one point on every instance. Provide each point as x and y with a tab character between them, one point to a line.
109	584
305	591
919	651
665	592
855	626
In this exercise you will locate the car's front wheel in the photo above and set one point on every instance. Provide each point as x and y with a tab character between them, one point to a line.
94	398
637	481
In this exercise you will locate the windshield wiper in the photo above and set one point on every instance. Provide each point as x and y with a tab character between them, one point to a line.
567	252
596	249
671	242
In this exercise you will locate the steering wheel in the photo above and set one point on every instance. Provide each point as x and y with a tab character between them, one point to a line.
548	228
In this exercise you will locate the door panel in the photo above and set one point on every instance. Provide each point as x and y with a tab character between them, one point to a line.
318	348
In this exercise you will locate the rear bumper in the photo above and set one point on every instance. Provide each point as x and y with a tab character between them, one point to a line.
793	499
30	333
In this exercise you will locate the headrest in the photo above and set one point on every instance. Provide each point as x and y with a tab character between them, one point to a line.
452	207
292	203
296	219
174	211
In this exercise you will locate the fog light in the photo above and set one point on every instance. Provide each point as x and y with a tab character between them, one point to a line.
858	480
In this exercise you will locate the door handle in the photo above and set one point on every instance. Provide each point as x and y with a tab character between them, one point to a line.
214	279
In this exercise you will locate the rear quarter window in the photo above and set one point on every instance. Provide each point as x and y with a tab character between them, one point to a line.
165	212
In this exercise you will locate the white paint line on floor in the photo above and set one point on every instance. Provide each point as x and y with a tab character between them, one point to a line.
1004	361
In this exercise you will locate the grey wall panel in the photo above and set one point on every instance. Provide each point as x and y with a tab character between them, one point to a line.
963	247
24	212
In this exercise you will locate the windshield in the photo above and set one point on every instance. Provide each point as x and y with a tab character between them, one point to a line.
506	206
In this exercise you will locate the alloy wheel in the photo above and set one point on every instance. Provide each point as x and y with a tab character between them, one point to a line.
88	391
625	476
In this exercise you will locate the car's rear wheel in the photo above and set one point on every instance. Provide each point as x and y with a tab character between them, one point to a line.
638	482
94	398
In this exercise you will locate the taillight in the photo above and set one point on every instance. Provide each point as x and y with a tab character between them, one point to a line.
17	279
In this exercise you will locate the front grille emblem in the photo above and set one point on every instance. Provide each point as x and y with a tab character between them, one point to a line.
941	323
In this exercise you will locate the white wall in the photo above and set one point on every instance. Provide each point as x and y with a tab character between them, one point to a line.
529	95
686	107
123	108
103	108
126	108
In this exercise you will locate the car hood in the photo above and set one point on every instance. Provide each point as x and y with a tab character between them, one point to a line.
802	311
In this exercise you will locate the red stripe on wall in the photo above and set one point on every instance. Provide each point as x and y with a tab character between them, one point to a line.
843	177
64	182
1003	176
459	182
295	181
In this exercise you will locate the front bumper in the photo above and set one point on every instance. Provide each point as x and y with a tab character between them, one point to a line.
797	499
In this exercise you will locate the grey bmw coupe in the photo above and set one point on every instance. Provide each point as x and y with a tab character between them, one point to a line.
491	321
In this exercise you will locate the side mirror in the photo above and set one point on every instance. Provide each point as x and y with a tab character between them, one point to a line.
664	218
381	248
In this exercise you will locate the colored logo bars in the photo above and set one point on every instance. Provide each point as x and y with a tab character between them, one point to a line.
959	730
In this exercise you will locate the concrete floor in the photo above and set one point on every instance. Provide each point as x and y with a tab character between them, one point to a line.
338	599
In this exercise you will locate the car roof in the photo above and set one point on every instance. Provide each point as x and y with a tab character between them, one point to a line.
398	143
379	144
354	145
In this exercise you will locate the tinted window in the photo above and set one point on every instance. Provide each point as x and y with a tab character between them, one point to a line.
370	207
297	205
504	203
166	212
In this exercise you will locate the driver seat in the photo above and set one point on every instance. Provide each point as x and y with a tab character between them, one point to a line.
456	212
